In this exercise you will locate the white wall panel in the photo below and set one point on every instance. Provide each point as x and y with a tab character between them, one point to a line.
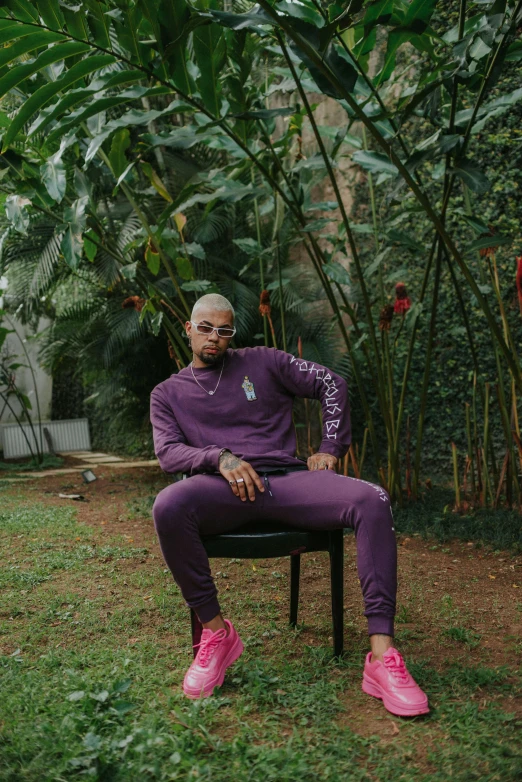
68	435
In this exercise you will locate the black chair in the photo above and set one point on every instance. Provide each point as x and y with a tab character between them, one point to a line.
262	540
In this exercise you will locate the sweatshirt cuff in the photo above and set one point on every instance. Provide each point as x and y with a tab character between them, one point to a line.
209	462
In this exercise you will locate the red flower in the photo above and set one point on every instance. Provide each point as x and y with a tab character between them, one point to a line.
264	303
519	280
134	303
485	251
402	302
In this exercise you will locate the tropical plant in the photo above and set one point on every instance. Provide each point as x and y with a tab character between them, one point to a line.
72	71
96	311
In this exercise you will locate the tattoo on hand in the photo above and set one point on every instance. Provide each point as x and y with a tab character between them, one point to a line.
228	461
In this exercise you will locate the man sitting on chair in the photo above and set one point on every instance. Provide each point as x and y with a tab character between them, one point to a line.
226	421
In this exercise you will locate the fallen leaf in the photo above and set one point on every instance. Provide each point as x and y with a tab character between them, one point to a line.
395	729
515	586
492	577
254	567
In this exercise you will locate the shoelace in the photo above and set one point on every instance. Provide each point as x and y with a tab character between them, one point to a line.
395	664
207	647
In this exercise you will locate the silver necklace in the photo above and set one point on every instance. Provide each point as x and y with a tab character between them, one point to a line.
210	393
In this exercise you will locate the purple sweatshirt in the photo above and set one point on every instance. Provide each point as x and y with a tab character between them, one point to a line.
250	413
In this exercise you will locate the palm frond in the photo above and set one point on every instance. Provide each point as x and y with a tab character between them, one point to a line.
209	226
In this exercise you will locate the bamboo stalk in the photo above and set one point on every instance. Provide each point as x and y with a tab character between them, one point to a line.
501	481
281	302
408	458
475	436
456	484
465	478
470	449
355	466
425	382
485	440
274	341
518	442
511	476
516	431
363	451
261	269
411	345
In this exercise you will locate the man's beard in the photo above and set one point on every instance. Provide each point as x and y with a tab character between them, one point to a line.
209	359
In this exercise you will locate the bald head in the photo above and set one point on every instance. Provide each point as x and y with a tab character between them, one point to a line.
212	301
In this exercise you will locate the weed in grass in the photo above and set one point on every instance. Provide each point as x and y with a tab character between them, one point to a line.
140	507
403	615
447	609
48	462
463	636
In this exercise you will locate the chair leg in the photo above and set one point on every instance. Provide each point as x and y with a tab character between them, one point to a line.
196	629
336	550
295	568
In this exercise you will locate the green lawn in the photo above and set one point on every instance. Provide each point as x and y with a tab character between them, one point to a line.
94	636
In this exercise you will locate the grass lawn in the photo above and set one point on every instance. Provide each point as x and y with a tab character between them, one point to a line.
95	640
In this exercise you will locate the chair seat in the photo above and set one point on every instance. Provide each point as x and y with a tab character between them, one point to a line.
261	539
265	539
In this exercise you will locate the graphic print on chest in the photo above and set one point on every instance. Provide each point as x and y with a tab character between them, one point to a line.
249	389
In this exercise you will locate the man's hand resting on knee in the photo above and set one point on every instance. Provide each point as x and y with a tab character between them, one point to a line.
322	461
241	476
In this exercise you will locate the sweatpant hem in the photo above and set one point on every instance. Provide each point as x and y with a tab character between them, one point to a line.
381	625
207	611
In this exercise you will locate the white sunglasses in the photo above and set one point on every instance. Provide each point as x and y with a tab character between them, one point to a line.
223	331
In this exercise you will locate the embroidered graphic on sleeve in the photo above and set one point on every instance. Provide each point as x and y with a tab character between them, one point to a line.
249	389
331	424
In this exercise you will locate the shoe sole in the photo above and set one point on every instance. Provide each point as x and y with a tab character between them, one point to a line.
399	711
235	652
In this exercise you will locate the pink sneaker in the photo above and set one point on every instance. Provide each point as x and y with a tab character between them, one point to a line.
391	682
216	652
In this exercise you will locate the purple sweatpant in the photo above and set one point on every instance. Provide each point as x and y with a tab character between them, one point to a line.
319	500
